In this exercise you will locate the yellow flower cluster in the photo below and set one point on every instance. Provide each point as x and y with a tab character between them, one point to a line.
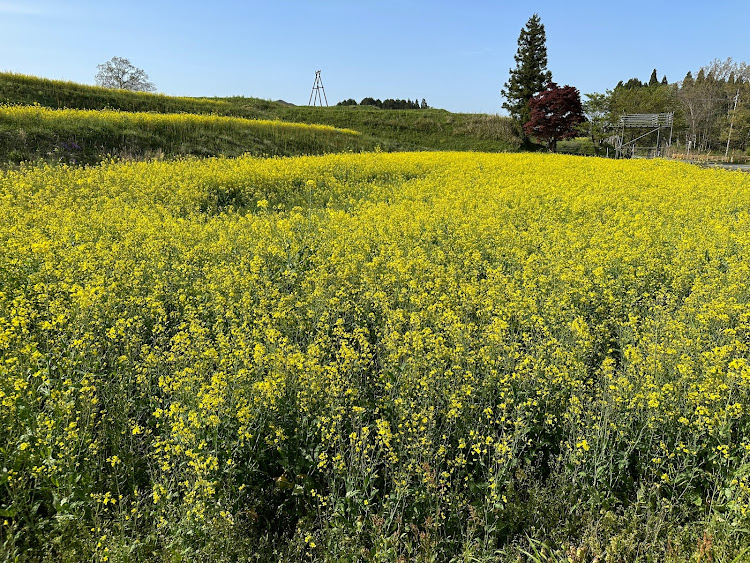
26	116
404	341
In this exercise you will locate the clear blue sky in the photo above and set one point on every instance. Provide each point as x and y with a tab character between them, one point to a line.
456	54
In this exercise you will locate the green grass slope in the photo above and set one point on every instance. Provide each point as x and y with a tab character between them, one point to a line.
391	129
431	129
29	90
33	133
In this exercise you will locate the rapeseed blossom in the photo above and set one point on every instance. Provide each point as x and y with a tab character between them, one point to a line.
386	347
24	115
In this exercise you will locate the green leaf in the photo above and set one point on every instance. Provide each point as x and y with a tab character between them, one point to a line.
7	512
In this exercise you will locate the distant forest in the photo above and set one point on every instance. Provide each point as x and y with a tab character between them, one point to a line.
386	104
711	107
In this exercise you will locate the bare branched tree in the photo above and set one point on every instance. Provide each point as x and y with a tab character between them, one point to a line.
727	70
120	73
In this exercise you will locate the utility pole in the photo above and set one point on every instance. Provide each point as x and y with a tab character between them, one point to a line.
731	122
315	96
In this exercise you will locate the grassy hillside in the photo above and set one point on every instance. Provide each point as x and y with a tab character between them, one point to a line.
391	129
29	90
432	129
31	133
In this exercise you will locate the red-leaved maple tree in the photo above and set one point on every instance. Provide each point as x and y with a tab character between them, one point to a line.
555	114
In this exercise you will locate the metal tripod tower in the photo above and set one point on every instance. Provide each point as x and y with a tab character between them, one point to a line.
315	96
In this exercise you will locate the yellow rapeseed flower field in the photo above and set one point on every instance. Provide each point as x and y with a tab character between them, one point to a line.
373	357
23	114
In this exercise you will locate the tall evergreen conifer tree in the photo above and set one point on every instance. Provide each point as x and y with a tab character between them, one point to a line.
530	75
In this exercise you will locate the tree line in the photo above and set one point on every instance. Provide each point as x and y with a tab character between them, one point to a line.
386	104
711	109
